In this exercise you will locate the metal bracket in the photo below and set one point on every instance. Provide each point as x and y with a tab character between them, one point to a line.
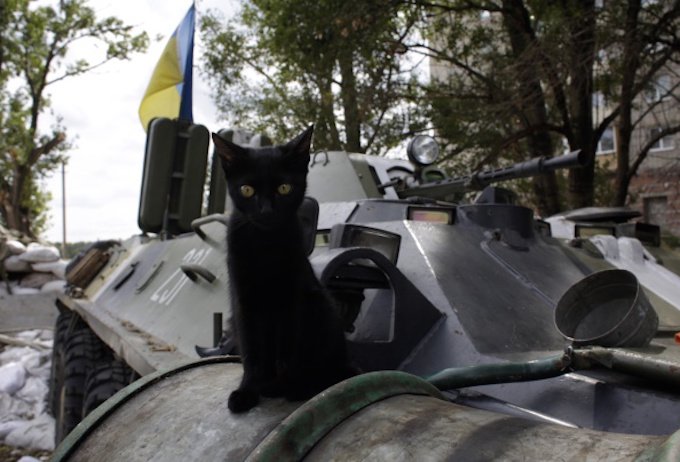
198	222
192	271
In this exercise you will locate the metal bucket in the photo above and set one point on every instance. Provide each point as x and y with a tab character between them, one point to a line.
182	415
609	309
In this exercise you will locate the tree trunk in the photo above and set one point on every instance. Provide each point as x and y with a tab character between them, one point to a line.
631	61
581	17
350	104
16	217
328	131
531	101
623	134
17	189
14	214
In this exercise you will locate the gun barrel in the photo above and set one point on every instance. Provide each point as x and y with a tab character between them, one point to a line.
531	167
573	159
480	180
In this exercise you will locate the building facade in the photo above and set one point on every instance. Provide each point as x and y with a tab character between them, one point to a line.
655	189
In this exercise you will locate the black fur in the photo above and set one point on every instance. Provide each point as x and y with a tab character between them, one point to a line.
290	337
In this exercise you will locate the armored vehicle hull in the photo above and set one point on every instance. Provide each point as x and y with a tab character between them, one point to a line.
426	286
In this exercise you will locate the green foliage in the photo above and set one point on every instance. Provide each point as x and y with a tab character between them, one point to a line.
521	75
35	42
472	85
36	203
285	63
511	79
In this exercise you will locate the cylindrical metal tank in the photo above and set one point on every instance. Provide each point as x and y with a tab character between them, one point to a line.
182	414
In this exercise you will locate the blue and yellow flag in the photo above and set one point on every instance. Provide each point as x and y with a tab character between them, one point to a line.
169	91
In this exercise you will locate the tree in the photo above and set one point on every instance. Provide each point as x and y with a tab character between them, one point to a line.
650	44
528	72
285	63
34	46
525	71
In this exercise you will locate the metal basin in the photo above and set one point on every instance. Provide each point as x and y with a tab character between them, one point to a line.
607	308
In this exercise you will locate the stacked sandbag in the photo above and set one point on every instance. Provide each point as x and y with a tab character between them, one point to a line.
32	268
24	376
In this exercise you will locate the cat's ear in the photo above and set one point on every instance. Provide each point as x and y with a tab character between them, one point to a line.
302	143
298	148
228	152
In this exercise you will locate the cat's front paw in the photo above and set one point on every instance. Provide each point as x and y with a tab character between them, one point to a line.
242	400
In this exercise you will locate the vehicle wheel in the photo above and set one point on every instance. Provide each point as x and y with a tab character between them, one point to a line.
104	381
66	321
83	351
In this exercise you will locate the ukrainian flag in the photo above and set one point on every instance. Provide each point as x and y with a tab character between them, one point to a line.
169	91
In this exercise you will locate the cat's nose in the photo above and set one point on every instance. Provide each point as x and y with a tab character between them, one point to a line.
266	208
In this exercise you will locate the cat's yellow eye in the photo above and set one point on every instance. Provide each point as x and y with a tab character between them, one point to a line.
247	191
284	189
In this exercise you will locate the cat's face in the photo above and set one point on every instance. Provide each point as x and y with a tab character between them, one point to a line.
267	185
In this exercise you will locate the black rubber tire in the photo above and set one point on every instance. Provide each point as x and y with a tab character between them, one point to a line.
104	381
83	351
66	323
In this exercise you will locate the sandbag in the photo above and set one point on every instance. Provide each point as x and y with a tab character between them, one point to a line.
24	421
15	264
58	268
54	286
7	427
12	377
15	247
37	434
36	253
37	280
24	291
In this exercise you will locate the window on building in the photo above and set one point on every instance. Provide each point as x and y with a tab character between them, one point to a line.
606	143
662	143
658	89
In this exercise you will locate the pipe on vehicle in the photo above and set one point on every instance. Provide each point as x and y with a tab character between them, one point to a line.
623	360
487	374
307	425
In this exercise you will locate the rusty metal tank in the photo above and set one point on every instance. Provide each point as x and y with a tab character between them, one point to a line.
181	414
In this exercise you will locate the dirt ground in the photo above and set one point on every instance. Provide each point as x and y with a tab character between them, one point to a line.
10	454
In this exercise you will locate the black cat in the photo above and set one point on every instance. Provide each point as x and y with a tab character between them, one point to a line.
289	334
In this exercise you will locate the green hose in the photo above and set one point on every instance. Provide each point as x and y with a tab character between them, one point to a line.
656	368
310	423
487	374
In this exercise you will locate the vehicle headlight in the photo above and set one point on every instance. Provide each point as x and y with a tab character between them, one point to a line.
423	150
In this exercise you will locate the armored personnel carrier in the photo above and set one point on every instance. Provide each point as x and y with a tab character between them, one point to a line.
633	245
481	336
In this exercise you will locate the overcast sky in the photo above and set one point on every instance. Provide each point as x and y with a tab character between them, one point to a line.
99	110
